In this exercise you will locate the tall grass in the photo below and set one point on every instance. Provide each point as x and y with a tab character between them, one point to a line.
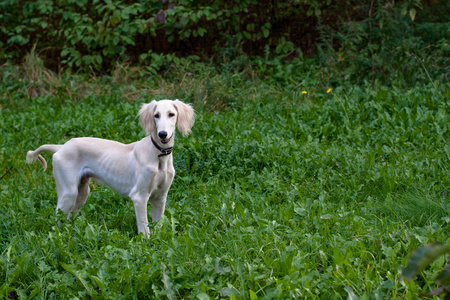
278	194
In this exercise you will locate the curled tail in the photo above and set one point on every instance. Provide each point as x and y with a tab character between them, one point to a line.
33	155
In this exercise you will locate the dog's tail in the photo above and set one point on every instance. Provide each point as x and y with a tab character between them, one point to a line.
33	155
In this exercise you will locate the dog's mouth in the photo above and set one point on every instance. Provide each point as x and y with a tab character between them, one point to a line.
165	141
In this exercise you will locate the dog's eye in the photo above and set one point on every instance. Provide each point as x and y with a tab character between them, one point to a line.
157	116
171	115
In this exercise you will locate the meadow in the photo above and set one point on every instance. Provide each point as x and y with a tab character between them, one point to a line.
282	191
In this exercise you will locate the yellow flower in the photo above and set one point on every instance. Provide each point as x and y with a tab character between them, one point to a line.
328	91
304	92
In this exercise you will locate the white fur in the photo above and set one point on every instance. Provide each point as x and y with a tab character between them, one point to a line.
133	170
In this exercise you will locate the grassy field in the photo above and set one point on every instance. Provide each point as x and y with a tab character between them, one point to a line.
279	194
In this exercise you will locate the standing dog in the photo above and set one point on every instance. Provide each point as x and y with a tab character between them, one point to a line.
141	170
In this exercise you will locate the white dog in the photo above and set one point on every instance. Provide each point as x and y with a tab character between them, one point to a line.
142	170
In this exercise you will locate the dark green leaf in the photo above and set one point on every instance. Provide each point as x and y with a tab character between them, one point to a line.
422	258
444	276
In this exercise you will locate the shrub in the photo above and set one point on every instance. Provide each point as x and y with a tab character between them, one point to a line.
354	41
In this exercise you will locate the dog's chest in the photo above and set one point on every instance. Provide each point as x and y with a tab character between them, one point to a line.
160	182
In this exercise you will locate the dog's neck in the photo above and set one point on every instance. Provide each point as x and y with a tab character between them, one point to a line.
164	151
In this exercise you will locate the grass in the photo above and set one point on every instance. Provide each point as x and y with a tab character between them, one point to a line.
278	194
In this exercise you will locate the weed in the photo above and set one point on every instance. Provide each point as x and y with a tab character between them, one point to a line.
277	194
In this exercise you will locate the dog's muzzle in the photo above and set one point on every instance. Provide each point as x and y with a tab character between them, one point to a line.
163	137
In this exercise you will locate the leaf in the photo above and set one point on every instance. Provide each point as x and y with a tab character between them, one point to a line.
253	295
116	40
438	291
99	59
443	276
100	282
201	31
210	16
168	286
422	258
412	13
229	291
114	19
203	296
18	39
79	276
351	294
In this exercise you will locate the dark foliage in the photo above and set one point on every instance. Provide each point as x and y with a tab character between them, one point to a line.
367	38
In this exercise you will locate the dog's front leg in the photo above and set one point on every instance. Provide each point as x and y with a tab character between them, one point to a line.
140	195
140	207
158	207
158	202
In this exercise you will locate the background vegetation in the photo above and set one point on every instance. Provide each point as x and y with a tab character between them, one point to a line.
368	41
318	162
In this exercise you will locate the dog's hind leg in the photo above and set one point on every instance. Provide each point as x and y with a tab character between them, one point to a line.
83	193
66	200
67	183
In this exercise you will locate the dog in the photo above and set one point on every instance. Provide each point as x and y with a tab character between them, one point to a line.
142	171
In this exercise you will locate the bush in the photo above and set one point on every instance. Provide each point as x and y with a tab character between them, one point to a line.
354	41
394	43
84	34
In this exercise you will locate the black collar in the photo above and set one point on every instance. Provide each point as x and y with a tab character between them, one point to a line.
164	151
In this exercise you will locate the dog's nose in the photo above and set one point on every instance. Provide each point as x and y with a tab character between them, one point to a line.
162	134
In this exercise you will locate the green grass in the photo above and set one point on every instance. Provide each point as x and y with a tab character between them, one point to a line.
278	194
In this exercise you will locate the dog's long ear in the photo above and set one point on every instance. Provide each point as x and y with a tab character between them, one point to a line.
185	119
147	118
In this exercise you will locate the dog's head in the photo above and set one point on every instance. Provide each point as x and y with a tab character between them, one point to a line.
159	118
